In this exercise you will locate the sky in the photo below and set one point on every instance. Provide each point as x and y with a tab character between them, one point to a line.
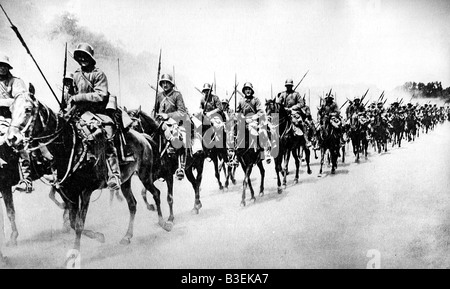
348	45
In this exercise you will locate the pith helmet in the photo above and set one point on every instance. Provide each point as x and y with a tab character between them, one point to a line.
289	82
166	77
84	48
248	85
5	59
206	86
357	99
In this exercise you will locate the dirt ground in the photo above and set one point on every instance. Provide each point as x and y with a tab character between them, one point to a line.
394	206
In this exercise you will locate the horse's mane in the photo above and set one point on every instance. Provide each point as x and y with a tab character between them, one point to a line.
146	119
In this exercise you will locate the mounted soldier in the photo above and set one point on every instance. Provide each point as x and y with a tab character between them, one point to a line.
212	114
251	109
91	96
170	108
10	88
329	112
298	110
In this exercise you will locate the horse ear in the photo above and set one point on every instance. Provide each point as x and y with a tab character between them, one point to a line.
140	108
125	109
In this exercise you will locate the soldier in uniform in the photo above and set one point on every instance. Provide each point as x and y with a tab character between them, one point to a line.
328	110
250	107
297	108
10	88
91	97
211	107
171	109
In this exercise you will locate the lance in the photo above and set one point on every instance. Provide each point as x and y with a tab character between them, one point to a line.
309	97
14	28
364	96
381	96
271	91
63	102
118	70
234	91
301	80
157	85
343	104
215	83
173	72
329	93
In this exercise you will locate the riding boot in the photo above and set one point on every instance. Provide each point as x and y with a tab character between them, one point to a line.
112	162
25	184
180	170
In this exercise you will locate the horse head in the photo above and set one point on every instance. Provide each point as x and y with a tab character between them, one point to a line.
24	111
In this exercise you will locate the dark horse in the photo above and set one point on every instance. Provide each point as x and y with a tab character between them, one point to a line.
215	148
358	135
34	125
166	164
398	128
329	140
411	127
248	154
288	142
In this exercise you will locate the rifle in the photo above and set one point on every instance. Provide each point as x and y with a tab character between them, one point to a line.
157	85
300	81
14	28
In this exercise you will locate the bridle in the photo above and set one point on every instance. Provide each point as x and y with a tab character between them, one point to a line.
28	128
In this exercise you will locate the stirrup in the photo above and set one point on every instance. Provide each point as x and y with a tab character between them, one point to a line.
180	174
28	186
114	183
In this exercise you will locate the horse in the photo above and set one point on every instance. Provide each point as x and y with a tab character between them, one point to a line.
248	154
10	176
398	127
288	142
358	136
215	147
380	134
165	164
329	141
411	127
80	169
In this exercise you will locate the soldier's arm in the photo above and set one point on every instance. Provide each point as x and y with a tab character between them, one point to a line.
299	102
258	108
100	90
18	87
181	108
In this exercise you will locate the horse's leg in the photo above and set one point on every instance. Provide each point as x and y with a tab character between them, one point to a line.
322	158
252	192
244	183
308	160
131	201
227	168
215	159
150	207
278	170
297	165
198	182
10	211
286	155
334	158
263	173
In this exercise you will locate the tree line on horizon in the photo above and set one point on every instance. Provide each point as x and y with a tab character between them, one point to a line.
430	90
